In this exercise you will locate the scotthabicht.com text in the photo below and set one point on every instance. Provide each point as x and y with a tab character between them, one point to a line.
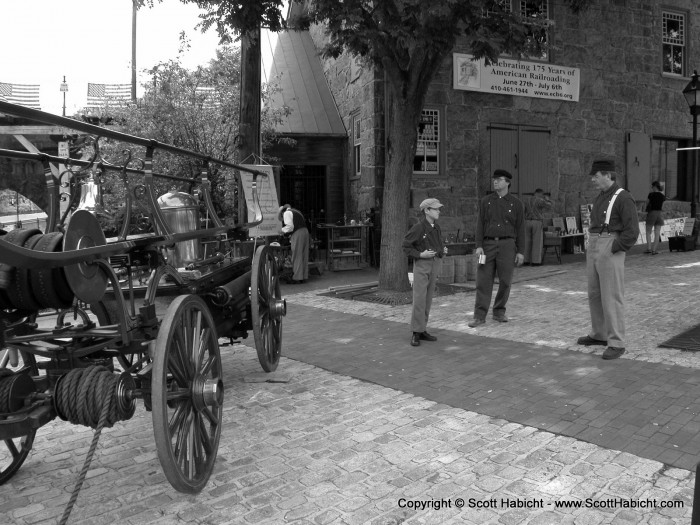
537	503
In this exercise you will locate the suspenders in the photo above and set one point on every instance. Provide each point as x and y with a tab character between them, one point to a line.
609	211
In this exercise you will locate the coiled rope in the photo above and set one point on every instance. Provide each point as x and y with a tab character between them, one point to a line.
87	396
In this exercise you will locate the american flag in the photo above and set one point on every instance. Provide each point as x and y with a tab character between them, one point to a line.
108	95
207	97
26	95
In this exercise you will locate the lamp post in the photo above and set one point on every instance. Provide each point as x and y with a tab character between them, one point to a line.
691	92
64	89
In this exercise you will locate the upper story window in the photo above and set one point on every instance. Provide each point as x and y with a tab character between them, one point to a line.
673	39
536	12
427	159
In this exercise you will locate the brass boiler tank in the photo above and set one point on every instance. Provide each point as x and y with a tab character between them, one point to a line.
181	213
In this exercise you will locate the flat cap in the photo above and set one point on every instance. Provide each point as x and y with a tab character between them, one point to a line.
602	165
502	173
430	203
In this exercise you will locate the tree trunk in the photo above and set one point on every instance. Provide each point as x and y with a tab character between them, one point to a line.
401	133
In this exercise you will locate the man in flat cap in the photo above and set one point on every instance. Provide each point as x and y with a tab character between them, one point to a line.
500	239
614	230
423	243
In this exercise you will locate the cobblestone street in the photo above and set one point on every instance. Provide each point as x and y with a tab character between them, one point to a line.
333	443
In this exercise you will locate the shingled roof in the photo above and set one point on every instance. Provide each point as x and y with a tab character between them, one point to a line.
304	88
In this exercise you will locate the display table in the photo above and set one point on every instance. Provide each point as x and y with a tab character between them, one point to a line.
569	240
346	246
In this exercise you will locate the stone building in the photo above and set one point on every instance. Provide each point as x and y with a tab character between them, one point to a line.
610	86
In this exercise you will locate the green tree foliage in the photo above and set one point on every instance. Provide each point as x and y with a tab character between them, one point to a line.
234	18
195	110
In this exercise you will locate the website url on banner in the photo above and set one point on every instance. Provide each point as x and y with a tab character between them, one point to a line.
538	503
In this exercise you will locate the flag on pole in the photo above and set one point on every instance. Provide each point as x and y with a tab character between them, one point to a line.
26	95
108	95
207	97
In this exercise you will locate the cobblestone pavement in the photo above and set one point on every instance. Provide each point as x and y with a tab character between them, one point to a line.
316	447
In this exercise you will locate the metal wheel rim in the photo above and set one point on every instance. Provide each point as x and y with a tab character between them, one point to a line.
187	434
264	290
14	451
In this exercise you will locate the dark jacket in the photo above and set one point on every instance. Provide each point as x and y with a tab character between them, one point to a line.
422	236
501	217
623	217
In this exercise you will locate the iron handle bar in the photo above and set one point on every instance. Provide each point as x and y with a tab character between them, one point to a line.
41	157
48	118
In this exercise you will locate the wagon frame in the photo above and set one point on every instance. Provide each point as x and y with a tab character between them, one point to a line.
108	293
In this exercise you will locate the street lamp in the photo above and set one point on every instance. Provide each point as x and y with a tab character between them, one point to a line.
691	92
64	89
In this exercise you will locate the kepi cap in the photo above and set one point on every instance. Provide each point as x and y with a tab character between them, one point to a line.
430	203
281	212
602	165
502	173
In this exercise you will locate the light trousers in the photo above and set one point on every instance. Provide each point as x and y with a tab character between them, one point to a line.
606	290
534	241
300	254
425	274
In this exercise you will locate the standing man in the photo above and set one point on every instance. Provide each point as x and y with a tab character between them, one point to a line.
614	230
294	223
534	217
423	243
500	237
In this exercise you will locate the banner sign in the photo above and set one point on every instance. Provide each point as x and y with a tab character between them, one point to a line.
267	195
516	77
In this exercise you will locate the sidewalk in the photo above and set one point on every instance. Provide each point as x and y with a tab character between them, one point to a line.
512	420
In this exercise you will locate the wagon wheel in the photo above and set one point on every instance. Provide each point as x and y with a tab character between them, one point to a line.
187	393
13	451
267	308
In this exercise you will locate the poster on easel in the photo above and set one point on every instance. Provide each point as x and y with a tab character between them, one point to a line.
585	210
267	195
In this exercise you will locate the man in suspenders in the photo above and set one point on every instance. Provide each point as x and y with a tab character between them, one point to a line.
614	230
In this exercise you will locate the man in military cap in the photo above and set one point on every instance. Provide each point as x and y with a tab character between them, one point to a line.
614	230
500	238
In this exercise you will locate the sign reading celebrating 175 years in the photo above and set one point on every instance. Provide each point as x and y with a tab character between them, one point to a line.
516	77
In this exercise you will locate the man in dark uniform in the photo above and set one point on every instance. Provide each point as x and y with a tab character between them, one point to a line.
500	238
614	230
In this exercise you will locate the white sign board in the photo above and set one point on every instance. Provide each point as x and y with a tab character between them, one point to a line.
516	77
267	195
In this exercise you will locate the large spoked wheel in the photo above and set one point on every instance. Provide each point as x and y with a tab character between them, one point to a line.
267	308
187	394
15	450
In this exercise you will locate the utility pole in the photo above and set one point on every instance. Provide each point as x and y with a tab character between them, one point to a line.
135	8
249	125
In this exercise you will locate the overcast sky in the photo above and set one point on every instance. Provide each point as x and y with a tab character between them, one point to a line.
90	41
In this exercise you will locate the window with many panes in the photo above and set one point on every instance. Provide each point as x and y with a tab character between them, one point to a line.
673	35
427	159
537	13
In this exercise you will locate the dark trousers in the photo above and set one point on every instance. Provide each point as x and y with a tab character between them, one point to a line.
500	260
